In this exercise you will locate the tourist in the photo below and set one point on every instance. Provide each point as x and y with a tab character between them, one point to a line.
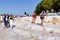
11	21
1	18
42	14
33	18
6	21
25	16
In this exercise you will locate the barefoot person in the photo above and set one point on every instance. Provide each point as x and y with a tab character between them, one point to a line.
42	14
33	18
11	21
6	21
1	18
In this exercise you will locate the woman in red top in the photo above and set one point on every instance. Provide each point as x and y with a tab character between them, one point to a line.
33	18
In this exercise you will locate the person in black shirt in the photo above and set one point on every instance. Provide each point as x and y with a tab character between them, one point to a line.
42	15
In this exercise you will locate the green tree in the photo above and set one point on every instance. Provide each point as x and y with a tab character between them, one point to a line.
47	5
39	8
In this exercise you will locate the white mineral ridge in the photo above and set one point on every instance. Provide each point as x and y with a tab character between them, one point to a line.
25	30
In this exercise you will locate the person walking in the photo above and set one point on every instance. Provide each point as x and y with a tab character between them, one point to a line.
11	21
6	21
33	18
25	16
42	14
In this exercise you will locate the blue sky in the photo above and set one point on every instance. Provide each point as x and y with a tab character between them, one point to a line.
18	6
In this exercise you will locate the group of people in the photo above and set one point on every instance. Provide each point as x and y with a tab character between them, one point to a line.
42	14
8	21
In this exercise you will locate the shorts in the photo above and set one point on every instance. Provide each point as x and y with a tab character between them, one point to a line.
41	17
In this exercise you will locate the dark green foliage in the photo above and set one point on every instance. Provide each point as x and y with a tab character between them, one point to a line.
48	5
